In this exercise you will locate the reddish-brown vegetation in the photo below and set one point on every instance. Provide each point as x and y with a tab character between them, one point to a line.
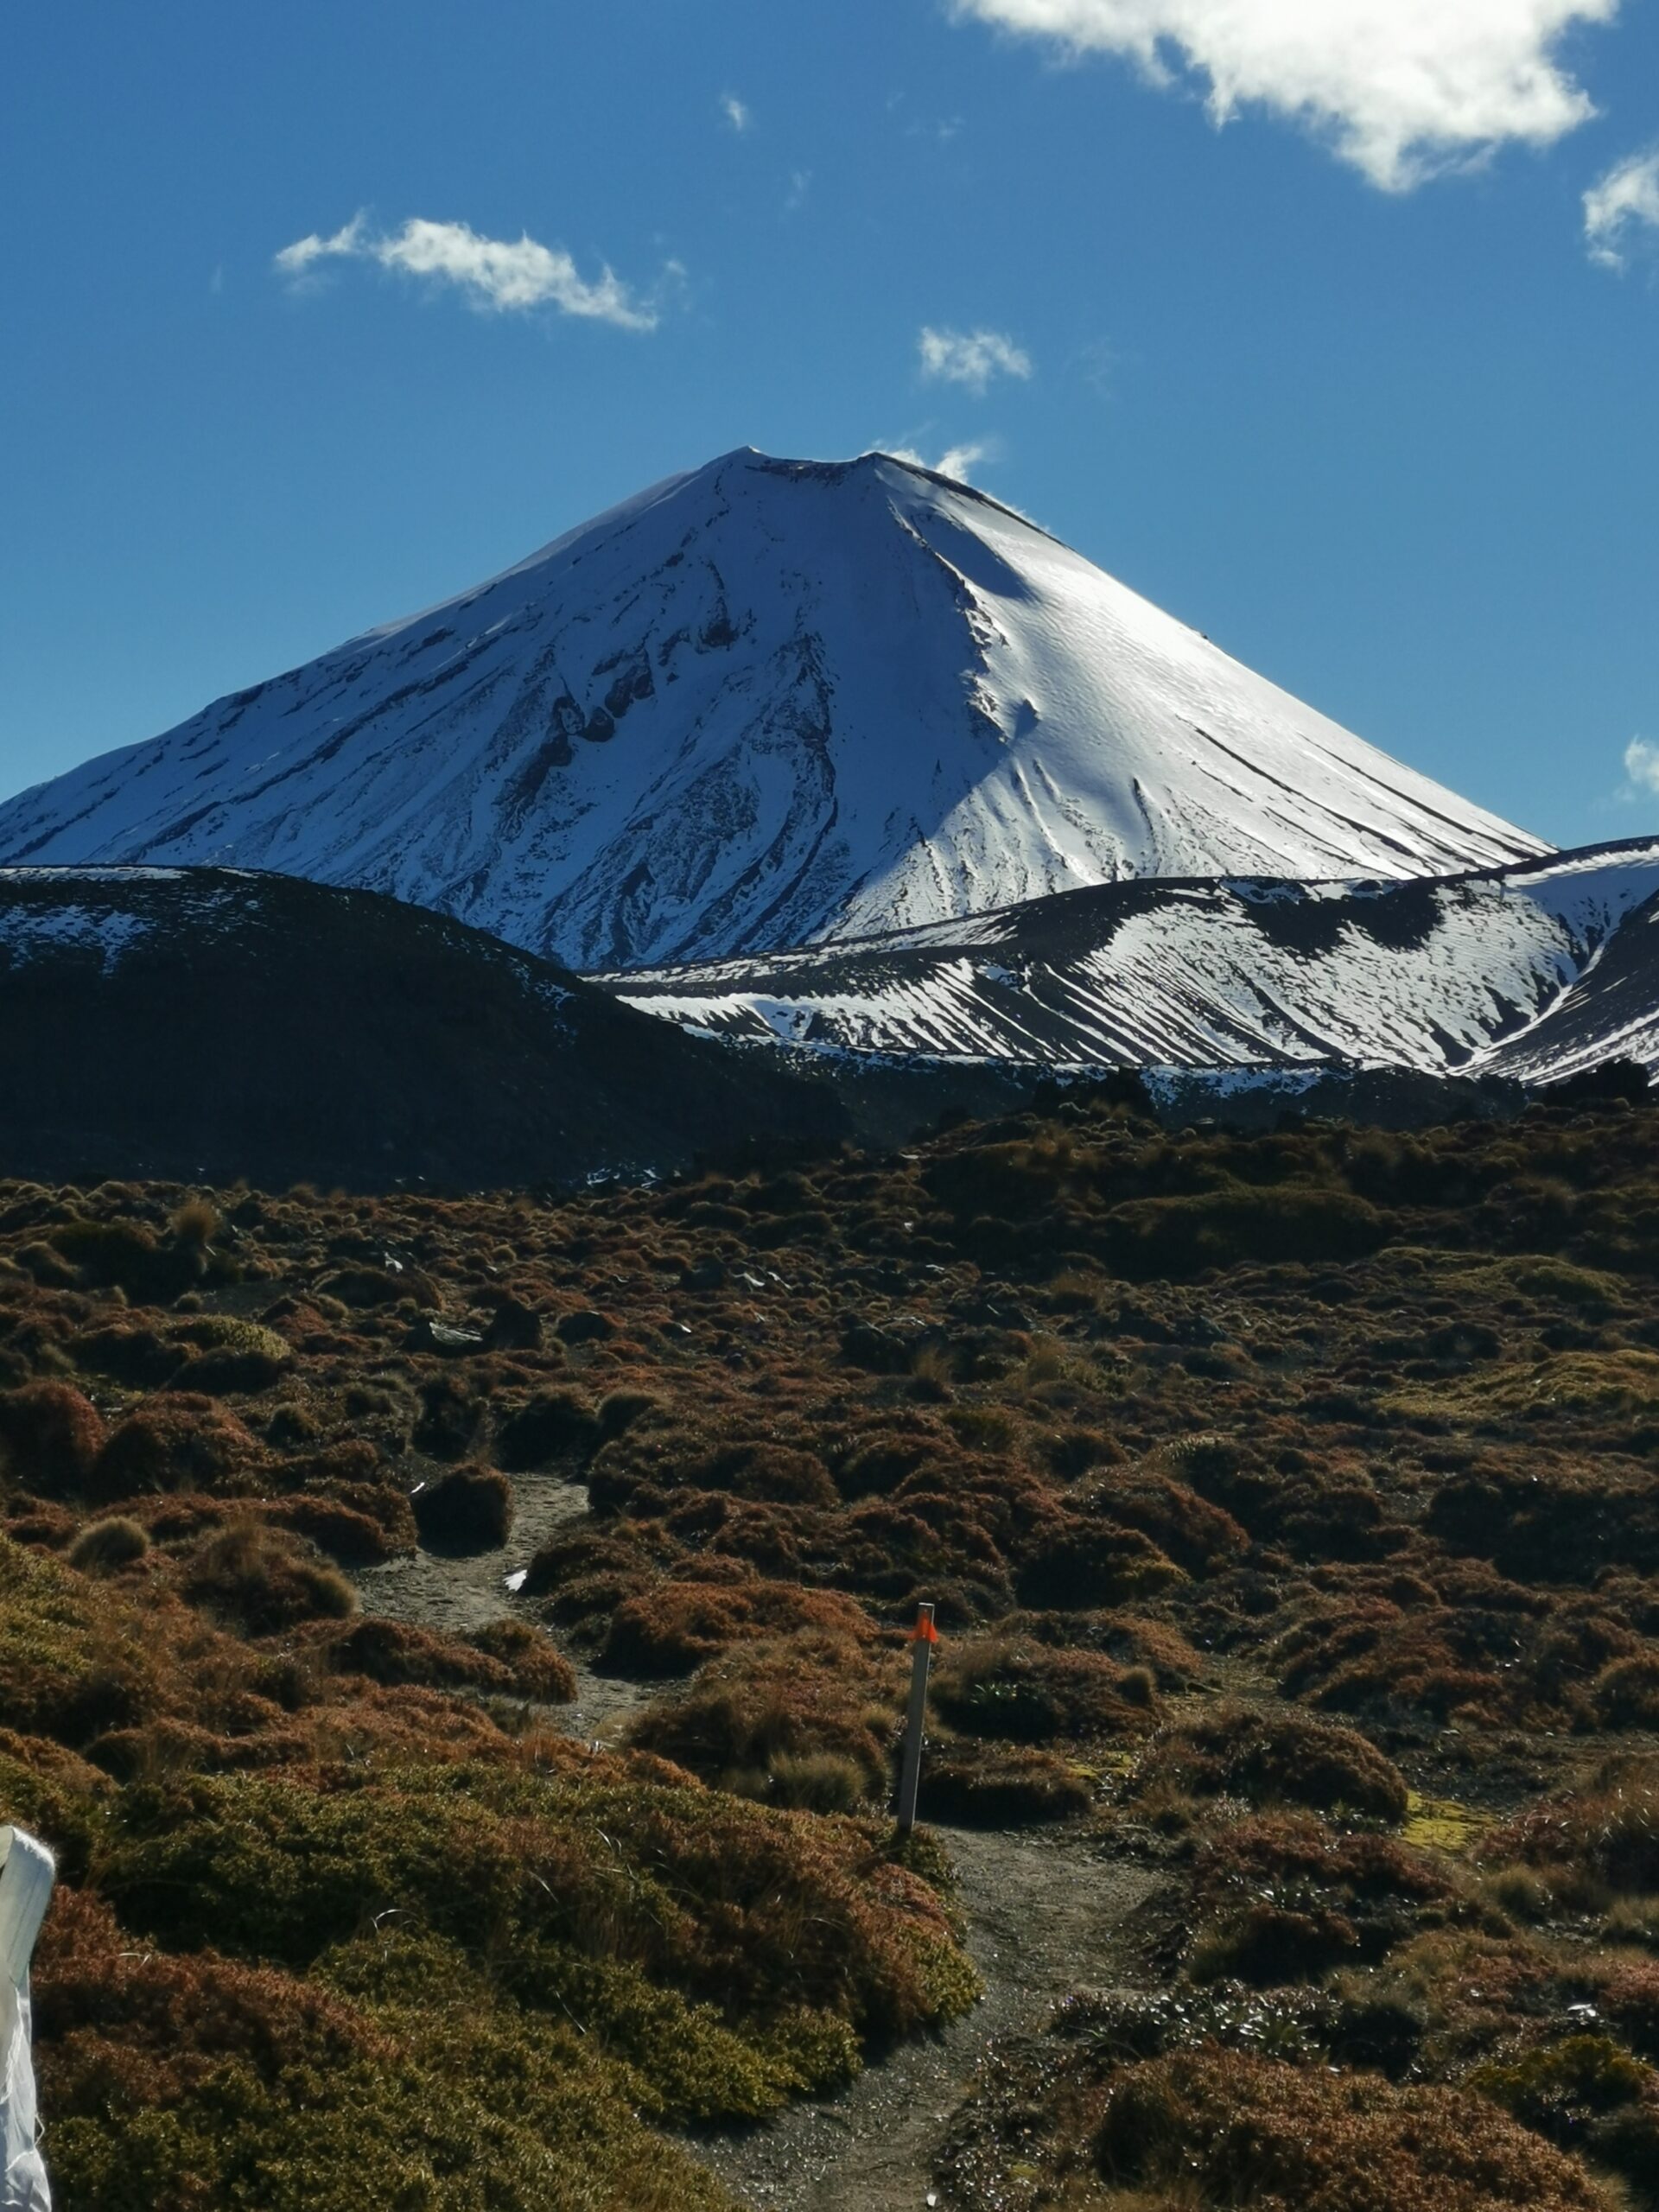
1258	1483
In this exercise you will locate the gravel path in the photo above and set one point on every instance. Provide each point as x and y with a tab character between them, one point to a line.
459	1591
1042	1915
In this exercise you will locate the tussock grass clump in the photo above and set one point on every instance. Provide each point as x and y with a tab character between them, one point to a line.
816	1782
592	1571
290	1427
55	1793
132	1354
261	1579
50	1435
1591	1843
104	1546
1084	1563
674	1625
451	1417
232	1356
1002	1786
1467	1643
1183	1236
365	1287
467	1510
1027	1692
539	1669
666	1461
1614	1383
551	1429
1229	2130
1545	1281
767	1718
1267	1945
196	1222
621	1410
1283	1897
1200	1537
1562	1523
71	1666
508	1659
176	1441
129	1255
1271	1756
1564	2086
351	1537
1626	1693
879	1448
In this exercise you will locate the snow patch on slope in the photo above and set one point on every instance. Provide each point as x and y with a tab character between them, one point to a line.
1533	969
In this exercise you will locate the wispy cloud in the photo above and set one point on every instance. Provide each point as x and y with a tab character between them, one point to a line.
1401	88
504	273
737	112
1621	210
1641	768
957	461
1097	363
970	357
298	259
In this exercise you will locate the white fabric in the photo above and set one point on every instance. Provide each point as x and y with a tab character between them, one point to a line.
26	1876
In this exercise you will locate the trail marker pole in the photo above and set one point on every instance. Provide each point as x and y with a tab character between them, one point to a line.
923	1636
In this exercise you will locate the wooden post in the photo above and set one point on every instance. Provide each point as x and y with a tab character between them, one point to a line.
923	1637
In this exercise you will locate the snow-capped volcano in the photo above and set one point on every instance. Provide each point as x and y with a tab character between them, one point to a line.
770	702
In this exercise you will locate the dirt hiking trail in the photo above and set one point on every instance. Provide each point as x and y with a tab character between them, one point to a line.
461	1591
1043	1915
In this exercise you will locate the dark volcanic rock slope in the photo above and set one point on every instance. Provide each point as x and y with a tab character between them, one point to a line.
209	1023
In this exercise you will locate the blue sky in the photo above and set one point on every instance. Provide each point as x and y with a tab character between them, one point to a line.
1354	378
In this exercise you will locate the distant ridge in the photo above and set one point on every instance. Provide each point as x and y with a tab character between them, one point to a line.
1537	971
208	1024
766	703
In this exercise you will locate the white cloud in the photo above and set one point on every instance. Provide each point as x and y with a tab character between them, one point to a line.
736	111
1642	767
972	358
961	461
1403	88
501	273
294	260
957	461
1620	207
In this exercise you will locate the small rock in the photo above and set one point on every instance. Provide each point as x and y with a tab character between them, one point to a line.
428	1335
